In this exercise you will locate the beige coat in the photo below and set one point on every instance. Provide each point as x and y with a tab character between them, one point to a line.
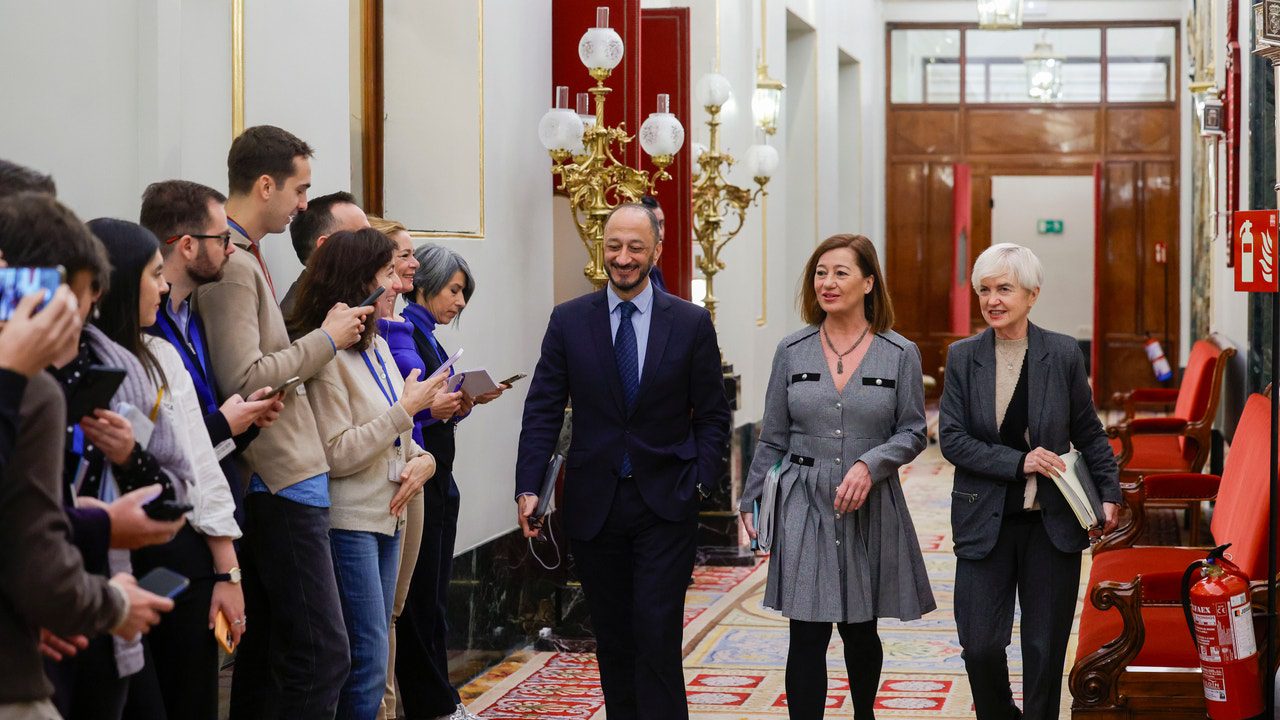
250	348
359	428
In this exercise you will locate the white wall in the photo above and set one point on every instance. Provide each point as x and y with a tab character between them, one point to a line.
112	96
1065	304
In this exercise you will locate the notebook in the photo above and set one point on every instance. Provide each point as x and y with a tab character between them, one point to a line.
1081	493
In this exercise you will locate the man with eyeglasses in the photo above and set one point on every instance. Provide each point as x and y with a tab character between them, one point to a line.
191	221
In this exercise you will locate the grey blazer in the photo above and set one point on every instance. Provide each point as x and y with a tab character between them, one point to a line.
1061	415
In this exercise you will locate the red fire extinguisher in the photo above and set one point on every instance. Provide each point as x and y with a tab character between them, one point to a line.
1221	624
1159	363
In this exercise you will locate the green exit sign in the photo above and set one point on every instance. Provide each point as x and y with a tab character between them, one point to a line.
1049	227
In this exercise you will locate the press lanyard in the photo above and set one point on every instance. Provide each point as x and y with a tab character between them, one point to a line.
237	227
195	365
388	392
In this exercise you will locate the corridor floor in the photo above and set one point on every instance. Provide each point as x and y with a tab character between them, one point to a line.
735	650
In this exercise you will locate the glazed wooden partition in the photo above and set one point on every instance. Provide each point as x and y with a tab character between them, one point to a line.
1136	145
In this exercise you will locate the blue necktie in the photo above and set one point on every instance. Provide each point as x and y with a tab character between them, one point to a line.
624	350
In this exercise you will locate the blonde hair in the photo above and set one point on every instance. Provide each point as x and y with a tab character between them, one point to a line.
386	227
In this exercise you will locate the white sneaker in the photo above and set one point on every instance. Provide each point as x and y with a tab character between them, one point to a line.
463	714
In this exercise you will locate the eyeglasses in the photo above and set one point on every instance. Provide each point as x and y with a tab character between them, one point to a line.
224	237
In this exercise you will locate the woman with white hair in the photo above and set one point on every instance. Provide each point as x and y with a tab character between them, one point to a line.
1016	397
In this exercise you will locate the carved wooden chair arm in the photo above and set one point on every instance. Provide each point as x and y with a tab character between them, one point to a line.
1094	679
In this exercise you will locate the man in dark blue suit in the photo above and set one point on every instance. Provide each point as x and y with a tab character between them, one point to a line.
650	424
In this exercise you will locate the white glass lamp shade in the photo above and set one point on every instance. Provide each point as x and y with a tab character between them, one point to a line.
999	14
600	46
661	134
713	90
560	129
762	161
766	106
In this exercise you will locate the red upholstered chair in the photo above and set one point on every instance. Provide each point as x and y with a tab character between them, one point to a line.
1139	660
1178	442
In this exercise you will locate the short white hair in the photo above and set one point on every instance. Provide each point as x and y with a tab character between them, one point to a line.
1008	259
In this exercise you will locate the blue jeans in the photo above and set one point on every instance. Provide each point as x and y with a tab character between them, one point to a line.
365	564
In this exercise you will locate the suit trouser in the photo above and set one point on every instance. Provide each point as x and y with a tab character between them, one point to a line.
422	630
635	573
294	657
1046	582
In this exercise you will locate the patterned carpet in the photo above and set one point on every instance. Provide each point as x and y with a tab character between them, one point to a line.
736	650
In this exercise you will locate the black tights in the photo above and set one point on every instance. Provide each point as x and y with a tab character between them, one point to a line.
807	667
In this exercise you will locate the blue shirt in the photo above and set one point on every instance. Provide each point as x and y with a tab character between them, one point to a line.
182	318
313	492
639	319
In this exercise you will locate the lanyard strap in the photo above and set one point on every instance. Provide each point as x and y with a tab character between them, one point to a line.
255	252
388	392
193	355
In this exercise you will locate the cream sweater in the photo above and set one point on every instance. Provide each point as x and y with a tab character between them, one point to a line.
359	428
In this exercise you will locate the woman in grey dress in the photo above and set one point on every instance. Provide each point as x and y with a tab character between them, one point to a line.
843	411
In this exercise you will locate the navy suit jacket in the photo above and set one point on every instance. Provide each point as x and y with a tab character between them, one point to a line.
676	434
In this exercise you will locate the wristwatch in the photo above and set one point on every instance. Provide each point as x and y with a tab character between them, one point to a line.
702	491
232	576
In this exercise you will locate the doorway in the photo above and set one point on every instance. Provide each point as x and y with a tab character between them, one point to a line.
1053	216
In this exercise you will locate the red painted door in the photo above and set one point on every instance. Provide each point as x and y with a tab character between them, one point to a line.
664	58
961	231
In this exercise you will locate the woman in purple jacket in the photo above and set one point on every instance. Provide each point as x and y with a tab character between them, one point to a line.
441	285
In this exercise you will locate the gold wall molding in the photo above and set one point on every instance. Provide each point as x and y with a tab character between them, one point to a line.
237	68
373	138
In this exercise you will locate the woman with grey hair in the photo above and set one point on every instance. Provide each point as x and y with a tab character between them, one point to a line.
1016	398
442	286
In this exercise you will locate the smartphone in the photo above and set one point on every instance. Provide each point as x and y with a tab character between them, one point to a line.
97	386
18	282
288	385
222	631
373	297
511	380
166	510
164	582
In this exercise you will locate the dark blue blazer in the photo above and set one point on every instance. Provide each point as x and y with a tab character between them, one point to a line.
676	434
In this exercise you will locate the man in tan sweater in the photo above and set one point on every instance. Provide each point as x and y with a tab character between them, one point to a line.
294	656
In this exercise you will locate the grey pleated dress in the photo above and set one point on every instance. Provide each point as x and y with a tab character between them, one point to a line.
842	567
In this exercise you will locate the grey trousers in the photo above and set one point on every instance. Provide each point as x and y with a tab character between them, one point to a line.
1023	564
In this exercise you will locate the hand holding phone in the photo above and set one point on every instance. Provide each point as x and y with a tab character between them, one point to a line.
222	631
288	386
164	582
373	297
166	510
97	386
19	282
513	379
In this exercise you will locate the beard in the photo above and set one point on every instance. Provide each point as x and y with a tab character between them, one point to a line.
645	268
203	270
